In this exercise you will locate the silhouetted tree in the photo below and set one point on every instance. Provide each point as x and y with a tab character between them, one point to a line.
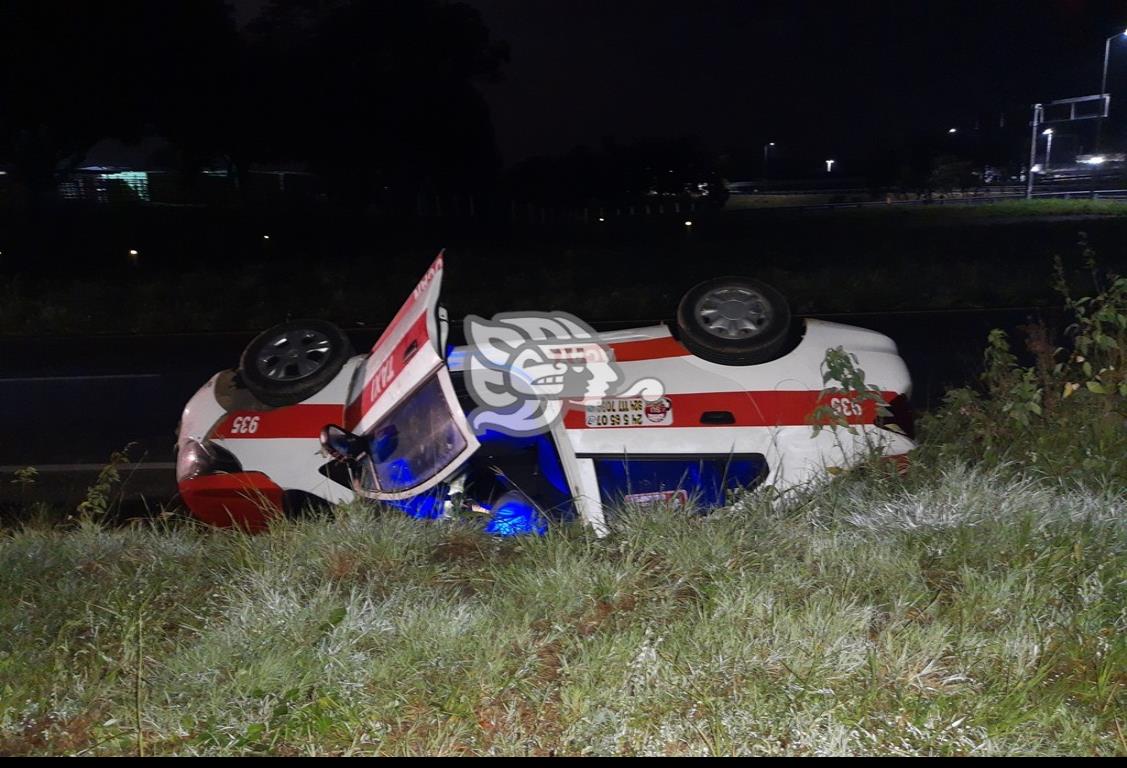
368	92
374	92
72	73
949	173
197	104
621	173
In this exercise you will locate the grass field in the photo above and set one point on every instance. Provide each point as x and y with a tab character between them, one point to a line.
946	209
976	605
199	270
963	613
952	211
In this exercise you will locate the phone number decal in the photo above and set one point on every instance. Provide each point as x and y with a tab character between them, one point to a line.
630	412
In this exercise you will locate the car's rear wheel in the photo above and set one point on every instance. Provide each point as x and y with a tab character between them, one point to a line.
293	361
734	321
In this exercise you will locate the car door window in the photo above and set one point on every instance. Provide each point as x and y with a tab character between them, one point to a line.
414	443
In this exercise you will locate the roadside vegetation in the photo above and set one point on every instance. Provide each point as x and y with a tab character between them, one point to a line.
1056	409
1031	208
940	208
972	606
184	277
954	210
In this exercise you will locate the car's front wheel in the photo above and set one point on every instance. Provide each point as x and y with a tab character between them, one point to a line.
293	361
734	321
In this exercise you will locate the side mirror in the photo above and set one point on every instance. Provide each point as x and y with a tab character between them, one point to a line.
342	444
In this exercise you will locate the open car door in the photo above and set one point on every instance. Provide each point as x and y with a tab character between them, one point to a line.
404	405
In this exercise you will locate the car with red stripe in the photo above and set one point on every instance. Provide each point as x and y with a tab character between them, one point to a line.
303	421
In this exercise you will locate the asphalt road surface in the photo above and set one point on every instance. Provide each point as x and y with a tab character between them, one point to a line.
66	403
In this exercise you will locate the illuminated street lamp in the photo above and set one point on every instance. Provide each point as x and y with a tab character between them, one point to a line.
830	166
766	154
952	130
1048	134
1107	53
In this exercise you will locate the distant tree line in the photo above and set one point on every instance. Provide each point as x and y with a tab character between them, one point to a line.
618	173
380	99
941	162
368	93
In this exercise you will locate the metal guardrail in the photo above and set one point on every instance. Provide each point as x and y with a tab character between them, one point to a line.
1100	194
751	188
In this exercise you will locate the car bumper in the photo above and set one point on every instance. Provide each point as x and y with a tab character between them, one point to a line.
247	500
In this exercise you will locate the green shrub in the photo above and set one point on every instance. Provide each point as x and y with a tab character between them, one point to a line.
1065	415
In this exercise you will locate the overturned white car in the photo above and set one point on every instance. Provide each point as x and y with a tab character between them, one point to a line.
537	418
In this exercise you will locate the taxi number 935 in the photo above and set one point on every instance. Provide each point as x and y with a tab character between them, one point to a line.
244	425
843	406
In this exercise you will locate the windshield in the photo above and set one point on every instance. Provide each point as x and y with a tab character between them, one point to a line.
413	443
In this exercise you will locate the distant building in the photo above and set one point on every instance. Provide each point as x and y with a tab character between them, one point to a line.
116	172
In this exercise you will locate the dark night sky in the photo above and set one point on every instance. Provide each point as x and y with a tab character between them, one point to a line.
827	78
822	78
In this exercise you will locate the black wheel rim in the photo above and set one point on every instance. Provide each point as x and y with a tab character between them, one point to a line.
294	355
733	312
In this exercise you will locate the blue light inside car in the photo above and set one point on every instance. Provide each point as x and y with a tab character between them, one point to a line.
516	517
425	507
400	472
384	445
547	457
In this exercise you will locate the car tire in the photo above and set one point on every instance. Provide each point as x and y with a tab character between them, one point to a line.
293	361
734	321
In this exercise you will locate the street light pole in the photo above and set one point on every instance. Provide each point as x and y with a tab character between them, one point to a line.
766	151
1103	89
1037	113
1048	134
1107	55
1103	102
